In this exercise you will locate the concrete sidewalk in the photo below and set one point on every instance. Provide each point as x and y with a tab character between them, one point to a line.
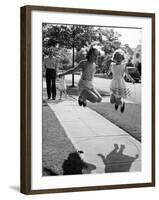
104	144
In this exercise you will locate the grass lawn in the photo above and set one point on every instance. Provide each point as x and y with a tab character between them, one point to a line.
56	146
129	121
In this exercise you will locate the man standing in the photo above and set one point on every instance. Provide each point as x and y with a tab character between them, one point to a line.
50	65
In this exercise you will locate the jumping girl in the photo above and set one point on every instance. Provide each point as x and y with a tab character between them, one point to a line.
87	90
118	87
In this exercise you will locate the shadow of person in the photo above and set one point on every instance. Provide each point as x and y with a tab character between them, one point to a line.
75	165
116	161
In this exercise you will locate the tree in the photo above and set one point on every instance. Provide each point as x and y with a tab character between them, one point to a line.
77	37
109	40
68	36
65	58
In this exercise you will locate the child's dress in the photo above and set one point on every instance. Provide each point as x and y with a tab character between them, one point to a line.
118	86
61	84
86	80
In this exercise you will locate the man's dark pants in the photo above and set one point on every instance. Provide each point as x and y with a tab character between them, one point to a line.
51	83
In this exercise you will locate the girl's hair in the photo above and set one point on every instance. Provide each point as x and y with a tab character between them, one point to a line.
90	52
118	51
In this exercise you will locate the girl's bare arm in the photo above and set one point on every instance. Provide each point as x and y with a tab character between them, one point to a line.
70	71
128	76
109	70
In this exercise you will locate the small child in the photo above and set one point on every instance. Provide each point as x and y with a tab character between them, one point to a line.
118	87
62	86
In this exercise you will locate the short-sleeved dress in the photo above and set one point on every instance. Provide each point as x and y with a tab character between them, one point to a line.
86	80
61	84
118	86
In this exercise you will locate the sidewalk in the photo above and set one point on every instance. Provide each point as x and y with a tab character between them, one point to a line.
104	144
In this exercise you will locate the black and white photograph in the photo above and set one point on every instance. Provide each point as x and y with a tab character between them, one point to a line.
89	77
92	77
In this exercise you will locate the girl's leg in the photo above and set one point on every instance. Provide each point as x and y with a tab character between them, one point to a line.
89	95
122	106
60	94
112	99
116	106
65	94
48	83
118	101
99	98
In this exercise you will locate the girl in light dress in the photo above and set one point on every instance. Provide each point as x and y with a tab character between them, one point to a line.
87	91
118	87
62	86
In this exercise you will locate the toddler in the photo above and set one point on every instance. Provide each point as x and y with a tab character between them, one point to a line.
62	86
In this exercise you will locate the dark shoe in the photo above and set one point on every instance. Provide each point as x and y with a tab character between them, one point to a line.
116	107
122	107
84	103
48	98
53	98
80	101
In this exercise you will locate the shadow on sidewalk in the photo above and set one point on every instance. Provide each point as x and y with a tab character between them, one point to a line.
73	165
116	161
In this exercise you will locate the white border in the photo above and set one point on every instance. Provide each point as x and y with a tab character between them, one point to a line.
39	182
